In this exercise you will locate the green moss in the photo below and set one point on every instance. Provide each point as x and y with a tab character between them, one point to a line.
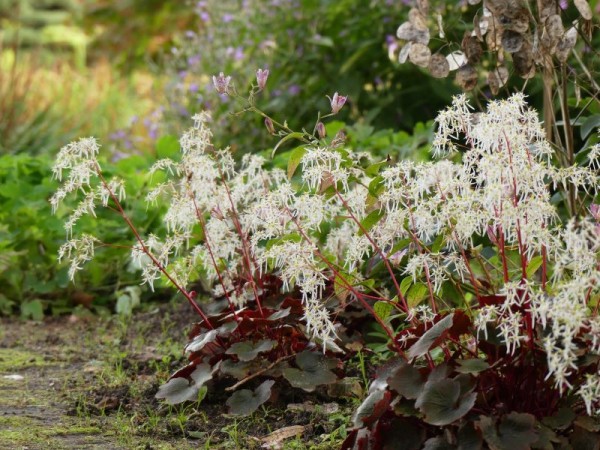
11	361
27	430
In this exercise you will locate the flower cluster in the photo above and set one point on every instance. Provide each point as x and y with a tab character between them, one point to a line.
482	225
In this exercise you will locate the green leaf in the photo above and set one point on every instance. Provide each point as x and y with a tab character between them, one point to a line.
376	186
403	434
428	339
561	420
383	309
441	402
405	284
438	443
406	380
368	222
294	160
287	137
582	439
167	147
374	168
473	365
589	124
33	309
245	401
178	390
468	437
247	351
416	294
534	265
515	432
438	243
314	370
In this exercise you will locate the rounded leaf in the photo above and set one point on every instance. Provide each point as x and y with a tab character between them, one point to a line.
419	55
441	402
313	371
245	401
247	351
438	66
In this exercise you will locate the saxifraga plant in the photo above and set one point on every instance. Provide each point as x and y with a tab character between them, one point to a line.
488	296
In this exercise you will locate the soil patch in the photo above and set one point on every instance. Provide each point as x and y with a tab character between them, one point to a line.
89	382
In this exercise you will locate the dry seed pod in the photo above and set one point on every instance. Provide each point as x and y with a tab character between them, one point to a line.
584	9
512	41
419	55
408	32
466	77
553	31
547	8
566	44
493	39
417	19
480	26
423	6
497	78
472	48
403	55
497	7
440	24
515	20
523	61
456	60
438	66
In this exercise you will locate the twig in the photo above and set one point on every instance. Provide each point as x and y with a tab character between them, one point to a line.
260	372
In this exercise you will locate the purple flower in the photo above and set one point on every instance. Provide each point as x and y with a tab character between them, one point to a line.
193	60
204	16
337	102
221	83
595	210
294	89
563	4
239	54
193	87
227	18
261	78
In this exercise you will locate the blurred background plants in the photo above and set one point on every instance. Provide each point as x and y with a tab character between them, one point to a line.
132	72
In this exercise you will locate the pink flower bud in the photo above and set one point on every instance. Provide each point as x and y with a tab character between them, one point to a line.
321	131
337	102
221	83
269	125
261	78
595	210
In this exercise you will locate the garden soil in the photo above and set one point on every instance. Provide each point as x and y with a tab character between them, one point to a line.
86	382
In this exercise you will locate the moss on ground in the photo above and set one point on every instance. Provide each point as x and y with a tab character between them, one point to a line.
12	360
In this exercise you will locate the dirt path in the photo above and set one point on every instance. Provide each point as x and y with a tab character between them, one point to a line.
61	383
89	383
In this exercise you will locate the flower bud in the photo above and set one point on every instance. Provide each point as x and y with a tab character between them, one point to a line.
321	131
269	125
221	83
261	78
337	102
595	210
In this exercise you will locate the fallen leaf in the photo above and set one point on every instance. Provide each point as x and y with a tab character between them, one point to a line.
275	439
